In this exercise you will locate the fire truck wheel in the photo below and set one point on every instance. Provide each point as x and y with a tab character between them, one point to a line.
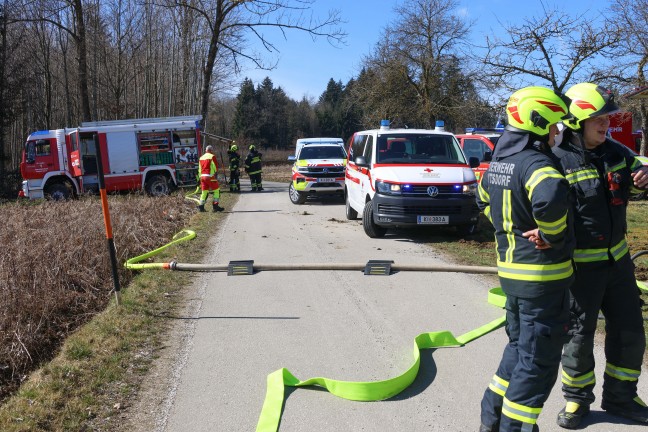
370	227
296	197
157	185
351	214
58	192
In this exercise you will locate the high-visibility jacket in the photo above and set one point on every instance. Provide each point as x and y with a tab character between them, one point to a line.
207	165
522	190
253	162
601	185
234	160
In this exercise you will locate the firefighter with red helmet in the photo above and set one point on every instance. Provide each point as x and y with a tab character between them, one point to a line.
525	196
602	174
208	169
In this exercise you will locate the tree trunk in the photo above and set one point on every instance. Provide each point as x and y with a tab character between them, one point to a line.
210	62
82	54
3	85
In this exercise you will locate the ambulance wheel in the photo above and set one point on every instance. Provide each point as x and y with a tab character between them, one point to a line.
58	192
296	197
157	185
351	214
370	227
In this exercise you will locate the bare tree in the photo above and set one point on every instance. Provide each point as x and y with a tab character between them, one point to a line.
631	21
49	12
419	50
229	24
554	49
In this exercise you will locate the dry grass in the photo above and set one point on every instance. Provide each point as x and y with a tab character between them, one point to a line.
55	269
97	368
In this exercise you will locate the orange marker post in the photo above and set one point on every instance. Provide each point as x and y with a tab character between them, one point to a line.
107	222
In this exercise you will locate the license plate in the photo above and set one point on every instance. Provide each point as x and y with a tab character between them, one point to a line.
432	220
325	180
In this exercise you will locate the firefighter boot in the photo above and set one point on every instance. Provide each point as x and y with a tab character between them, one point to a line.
634	409
571	416
217	208
201	207
484	428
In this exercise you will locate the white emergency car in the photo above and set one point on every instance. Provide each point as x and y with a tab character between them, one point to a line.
409	177
318	169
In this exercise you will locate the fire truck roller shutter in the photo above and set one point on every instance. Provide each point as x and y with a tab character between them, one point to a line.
122	152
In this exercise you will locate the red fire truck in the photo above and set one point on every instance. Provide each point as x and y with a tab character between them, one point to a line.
621	130
154	155
480	143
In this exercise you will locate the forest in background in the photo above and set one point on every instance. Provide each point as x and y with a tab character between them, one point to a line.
67	61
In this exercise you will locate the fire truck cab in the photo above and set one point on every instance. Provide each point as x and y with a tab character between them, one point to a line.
480	143
621	130
154	155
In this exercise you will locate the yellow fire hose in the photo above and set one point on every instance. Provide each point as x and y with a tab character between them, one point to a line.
277	381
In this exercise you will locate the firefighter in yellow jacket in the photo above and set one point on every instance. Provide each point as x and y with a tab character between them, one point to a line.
208	169
525	197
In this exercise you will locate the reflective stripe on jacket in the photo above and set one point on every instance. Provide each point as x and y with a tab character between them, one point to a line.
234	160
600	184
518	193
253	163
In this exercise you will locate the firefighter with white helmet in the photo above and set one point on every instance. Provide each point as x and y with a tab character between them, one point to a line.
602	174
208	169
234	163
524	196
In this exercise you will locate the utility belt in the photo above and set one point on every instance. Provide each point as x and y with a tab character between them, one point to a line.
616	252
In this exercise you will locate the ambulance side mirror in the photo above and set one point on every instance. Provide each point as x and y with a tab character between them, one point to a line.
361	161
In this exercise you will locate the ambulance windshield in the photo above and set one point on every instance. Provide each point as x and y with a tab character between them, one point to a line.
418	148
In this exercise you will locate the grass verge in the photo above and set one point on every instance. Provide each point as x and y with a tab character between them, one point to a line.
100	366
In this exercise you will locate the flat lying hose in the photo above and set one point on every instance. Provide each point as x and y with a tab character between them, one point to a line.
369	391
359	391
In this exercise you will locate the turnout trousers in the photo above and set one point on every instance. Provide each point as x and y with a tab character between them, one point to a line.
610	287
255	180
537	329
235	181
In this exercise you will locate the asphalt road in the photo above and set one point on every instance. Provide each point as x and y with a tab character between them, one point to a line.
336	324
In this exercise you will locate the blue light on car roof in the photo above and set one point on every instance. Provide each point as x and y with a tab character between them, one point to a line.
384	122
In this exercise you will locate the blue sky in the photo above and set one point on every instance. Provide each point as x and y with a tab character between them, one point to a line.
305	66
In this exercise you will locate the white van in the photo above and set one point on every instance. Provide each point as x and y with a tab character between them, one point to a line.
409	177
318	168
301	141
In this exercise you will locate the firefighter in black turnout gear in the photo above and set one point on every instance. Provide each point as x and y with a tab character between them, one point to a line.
525	197
234	163
602	175
253	168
